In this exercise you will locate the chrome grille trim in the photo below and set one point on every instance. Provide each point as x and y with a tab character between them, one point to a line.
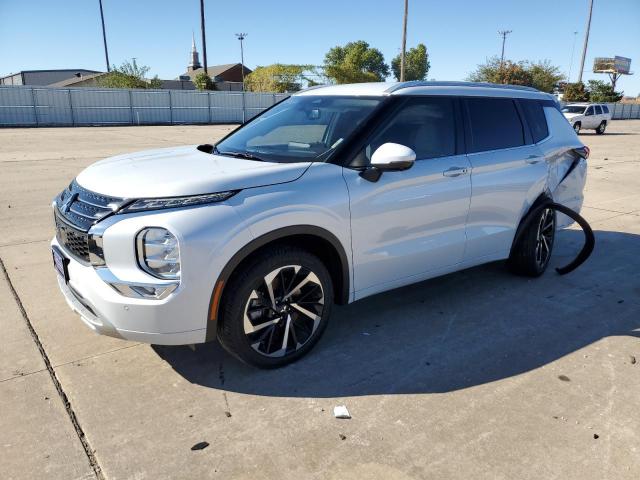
82	208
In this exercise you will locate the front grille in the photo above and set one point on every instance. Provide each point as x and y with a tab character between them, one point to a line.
74	241
83	208
77	210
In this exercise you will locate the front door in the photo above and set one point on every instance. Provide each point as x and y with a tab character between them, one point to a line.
410	223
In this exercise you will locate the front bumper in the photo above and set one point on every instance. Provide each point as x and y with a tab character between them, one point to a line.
107	312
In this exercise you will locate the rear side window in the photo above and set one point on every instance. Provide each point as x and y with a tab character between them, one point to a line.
534	114
495	124
605	109
598	110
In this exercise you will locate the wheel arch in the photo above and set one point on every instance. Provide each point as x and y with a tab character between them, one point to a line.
545	196
317	240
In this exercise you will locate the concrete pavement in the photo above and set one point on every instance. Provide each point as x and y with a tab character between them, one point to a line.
477	374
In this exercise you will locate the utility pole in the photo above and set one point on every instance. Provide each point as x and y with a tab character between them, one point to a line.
573	49
504	34
204	39
404	40
241	37
104	37
586	42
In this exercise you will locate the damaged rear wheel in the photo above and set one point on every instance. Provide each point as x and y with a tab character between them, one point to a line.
532	252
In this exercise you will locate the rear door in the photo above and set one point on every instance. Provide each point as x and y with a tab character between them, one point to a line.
410	223
508	173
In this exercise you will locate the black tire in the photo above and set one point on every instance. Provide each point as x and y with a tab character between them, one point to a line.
601	128
576	127
255	320
530	256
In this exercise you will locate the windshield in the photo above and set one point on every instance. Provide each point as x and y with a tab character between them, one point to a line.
573	109
299	129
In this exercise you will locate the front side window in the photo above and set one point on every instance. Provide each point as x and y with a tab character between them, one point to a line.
299	129
573	109
424	124
534	113
495	124
589	111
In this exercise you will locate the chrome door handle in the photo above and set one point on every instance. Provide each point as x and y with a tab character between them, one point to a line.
533	159
455	171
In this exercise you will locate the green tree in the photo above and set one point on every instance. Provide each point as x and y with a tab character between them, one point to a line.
416	64
128	75
277	78
545	77
202	81
575	92
507	72
155	82
602	92
355	62
541	75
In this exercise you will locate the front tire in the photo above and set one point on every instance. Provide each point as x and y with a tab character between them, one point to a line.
576	127
530	256
601	128
277	307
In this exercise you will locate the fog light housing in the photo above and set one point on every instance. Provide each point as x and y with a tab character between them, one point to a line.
158	253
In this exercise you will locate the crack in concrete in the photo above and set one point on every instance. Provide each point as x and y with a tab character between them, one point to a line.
93	462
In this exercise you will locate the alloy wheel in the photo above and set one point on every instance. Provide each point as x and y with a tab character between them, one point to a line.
544	238
284	311
576	127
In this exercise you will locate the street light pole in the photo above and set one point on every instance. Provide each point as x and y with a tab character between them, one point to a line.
241	37
404	40
104	37
573	49
586	42
204	40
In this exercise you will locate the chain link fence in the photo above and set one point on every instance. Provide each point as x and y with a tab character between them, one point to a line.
47	106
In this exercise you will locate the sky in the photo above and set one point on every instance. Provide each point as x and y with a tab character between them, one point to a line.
459	35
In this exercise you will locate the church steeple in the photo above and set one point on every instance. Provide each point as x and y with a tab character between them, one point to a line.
194	60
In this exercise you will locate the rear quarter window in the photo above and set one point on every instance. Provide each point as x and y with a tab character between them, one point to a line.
494	124
534	113
605	109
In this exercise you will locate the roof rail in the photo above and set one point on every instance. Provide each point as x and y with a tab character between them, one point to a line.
422	83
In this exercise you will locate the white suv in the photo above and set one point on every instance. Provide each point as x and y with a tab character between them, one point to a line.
584	116
330	196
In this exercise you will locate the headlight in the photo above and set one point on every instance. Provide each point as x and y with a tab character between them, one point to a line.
176	202
158	253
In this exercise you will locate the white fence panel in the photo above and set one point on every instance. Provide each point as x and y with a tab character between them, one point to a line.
47	106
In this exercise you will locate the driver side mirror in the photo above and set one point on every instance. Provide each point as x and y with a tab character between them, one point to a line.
389	157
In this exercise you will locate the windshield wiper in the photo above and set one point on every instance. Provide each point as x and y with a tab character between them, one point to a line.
245	155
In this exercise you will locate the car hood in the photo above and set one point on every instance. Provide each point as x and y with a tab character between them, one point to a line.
569	116
169	172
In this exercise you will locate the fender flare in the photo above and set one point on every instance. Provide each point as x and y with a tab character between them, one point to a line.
255	244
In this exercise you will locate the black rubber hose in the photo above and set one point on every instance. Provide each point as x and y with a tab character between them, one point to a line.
589	237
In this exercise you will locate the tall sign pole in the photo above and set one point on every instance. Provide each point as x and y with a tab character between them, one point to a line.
104	37
204	39
404	40
586	42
